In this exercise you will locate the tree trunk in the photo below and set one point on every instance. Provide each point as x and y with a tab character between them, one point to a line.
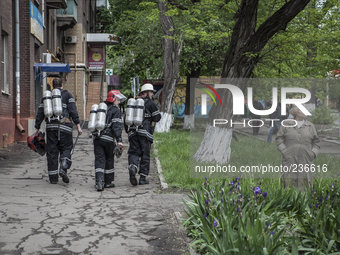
171	44
242	56
189	115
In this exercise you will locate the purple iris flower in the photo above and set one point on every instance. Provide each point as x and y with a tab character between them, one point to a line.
326	198
207	202
215	223
206	215
257	190
317	205
265	194
272	233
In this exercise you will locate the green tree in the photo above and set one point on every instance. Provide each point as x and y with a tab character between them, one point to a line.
140	52
246	44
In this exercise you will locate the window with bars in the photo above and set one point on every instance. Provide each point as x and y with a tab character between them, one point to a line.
4	63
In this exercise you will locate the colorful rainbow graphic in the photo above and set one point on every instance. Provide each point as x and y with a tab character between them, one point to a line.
209	93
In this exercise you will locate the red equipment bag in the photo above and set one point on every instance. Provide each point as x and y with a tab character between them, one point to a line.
36	142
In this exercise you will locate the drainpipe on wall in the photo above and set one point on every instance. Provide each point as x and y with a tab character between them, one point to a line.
17	69
84	96
43	12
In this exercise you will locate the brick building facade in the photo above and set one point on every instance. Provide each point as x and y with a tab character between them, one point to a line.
45	27
7	105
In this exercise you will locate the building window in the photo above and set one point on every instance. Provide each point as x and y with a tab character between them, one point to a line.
4	63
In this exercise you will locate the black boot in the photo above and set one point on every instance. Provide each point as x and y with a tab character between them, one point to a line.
63	175
109	185
100	186
143	180
100	181
132	173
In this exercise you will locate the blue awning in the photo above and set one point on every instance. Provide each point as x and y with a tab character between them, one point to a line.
53	67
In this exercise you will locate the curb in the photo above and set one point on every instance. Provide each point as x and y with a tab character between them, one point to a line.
178	217
164	185
330	141
324	139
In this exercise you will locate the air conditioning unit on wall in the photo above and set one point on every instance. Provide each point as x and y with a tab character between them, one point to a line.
70	39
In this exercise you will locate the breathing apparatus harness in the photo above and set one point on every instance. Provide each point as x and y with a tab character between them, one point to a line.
97	125
135	114
53	108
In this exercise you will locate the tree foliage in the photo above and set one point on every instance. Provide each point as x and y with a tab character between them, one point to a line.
306	48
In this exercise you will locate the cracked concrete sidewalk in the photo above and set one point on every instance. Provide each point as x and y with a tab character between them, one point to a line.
37	217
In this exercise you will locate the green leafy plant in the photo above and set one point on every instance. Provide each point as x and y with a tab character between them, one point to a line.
5	135
253	216
322	116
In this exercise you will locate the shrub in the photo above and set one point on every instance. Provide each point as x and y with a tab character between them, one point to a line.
323	116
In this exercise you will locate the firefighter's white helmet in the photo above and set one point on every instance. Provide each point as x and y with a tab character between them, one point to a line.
147	87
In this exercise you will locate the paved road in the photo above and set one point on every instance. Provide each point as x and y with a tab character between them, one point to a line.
37	217
327	145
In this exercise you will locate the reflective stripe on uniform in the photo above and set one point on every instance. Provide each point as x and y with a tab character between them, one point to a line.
109	171
106	138
62	127
143	131
155	113
99	170
53	172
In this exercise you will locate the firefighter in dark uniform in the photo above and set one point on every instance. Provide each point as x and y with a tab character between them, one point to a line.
59	134
140	139
104	143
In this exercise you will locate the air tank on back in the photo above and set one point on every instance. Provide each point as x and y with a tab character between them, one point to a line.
101	117
139	112
56	102
47	101
129	114
92	119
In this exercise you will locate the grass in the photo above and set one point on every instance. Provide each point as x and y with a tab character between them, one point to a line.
174	154
175	147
